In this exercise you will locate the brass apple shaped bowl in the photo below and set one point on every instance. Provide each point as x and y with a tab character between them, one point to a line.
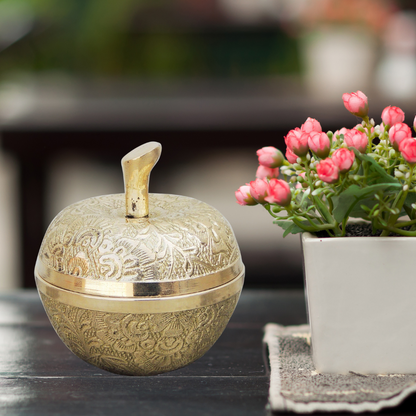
139	283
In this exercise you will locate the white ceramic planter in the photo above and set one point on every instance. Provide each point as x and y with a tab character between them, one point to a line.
361	294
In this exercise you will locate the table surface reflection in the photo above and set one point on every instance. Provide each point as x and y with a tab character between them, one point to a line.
40	376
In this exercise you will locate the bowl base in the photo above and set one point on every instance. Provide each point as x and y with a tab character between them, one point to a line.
139	344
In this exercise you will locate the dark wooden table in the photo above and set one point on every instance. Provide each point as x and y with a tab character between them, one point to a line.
40	376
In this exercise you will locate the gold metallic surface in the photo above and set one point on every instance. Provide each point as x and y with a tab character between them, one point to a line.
139	283
139	344
91	286
182	239
143	304
137	166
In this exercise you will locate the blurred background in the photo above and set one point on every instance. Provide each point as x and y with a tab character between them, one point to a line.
82	82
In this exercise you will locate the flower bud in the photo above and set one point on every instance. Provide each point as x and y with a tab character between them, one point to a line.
343	159
407	148
356	103
264	172
258	190
357	139
290	156
320	144
279	193
270	157
244	197
392	115
297	141
397	133
311	125
341	131
302	179
327	171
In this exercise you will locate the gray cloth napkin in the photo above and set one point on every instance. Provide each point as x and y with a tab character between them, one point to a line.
296	386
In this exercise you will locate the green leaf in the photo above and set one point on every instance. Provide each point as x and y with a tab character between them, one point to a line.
346	201
306	202
289	227
358	212
383	176
410	199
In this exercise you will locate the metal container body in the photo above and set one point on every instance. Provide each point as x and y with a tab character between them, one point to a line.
136	342
139	296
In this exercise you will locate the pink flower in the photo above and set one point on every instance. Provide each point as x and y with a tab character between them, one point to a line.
320	144
297	141
327	170
270	157
357	139
290	156
264	172
343	159
279	193
311	125
356	103
392	115
414	123
243	196
399	132
408	149
258	190
341	131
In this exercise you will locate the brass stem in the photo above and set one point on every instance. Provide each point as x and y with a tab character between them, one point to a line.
137	166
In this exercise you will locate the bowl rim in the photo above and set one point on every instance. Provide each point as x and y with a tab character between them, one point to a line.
144	304
134	289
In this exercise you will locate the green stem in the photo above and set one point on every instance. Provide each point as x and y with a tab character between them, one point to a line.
268	207
398	204
392	229
315	227
320	206
367	126
405	224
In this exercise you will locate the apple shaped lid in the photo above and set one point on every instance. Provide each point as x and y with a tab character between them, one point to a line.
139	244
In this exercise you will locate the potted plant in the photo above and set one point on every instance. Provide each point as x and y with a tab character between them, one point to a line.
360	277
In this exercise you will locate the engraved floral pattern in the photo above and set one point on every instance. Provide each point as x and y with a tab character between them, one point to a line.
139	344
181	239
